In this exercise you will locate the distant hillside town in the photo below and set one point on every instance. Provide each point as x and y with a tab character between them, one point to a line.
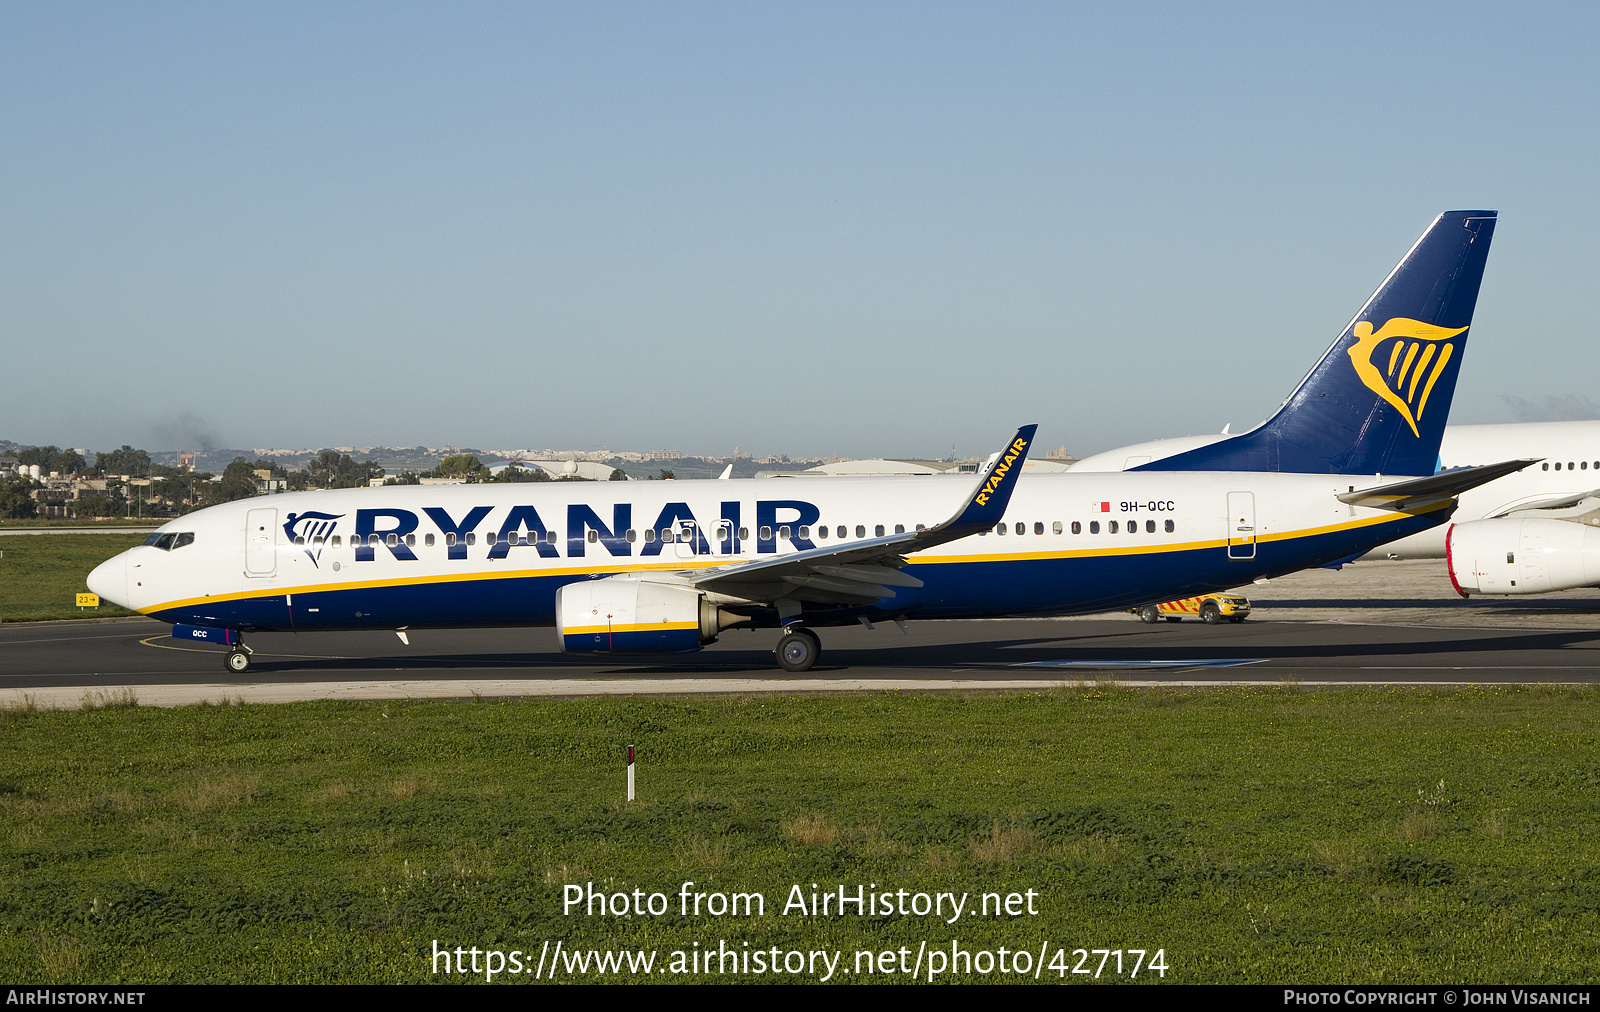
49	482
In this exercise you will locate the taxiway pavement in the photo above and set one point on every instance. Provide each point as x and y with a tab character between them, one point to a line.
1384	623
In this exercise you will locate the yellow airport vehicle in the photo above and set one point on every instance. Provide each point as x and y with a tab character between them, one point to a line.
1208	608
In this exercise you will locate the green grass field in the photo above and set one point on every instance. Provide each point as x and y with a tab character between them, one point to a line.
1251	835
42	574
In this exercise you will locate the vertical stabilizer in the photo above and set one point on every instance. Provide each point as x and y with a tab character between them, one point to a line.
1378	400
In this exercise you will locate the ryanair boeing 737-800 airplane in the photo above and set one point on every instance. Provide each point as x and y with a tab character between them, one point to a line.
637	568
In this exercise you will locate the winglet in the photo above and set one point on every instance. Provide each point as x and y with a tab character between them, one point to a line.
987	503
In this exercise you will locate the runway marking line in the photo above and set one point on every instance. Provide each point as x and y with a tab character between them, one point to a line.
1218	663
196	650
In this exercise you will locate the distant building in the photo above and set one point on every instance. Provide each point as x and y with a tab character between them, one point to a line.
882	466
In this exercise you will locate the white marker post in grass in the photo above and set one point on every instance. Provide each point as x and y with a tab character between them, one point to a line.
630	772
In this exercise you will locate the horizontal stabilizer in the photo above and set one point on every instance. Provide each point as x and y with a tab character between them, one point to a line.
1420	493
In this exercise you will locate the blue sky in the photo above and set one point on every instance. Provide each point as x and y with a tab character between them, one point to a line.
812	229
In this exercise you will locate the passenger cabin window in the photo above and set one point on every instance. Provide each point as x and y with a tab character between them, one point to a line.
472	537
336	540
841	532
783	533
299	540
411	541
744	533
1000	528
649	537
1111	527
861	530
1038	528
1149	526
899	528
631	536
805	534
1169	527
1077	527
1094	527
877	531
594	537
766	534
822	531
427	540
450	539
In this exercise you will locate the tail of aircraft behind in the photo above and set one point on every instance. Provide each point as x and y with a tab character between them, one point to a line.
1378	400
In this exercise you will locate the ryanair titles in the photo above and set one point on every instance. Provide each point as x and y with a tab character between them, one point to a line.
522	527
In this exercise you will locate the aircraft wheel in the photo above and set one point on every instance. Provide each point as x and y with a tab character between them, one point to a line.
1150	614
237	662
798	650
1174	618
1210	614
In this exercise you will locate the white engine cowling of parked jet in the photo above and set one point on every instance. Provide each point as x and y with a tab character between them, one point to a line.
1515	556
618	616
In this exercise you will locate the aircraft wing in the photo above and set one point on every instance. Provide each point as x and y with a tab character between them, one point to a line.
1552	504
1420	493
862	572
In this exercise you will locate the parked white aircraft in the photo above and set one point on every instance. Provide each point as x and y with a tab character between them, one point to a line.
625	567
1568	473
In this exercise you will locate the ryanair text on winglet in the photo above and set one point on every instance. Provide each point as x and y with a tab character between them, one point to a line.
998	475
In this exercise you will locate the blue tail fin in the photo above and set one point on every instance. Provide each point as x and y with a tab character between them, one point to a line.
1378	400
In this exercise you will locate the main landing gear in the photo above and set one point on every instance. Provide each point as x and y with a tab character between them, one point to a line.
798	649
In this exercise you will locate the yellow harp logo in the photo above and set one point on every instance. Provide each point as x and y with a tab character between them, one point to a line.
1417	355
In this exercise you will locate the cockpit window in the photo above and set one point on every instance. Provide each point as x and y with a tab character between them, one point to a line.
170	541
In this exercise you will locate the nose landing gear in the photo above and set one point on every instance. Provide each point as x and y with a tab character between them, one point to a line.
238	658
798	649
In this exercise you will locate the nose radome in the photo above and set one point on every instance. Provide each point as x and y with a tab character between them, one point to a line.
110	580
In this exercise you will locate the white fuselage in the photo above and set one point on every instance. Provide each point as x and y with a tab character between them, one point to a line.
490	554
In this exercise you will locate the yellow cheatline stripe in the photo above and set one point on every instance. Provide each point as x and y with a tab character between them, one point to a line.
1184	547
602	630
714	561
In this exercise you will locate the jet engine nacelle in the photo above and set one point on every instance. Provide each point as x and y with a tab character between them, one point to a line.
622	616
1515	556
